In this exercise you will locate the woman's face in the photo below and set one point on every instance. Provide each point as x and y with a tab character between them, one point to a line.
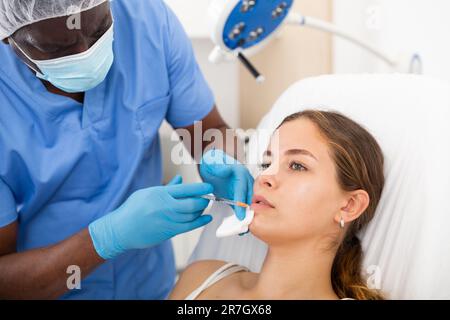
298	180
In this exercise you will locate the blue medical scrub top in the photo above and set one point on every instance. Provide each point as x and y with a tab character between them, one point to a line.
64	164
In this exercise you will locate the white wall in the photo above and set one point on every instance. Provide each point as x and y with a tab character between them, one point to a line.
192	16
395	26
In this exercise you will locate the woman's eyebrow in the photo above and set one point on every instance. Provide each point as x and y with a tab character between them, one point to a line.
300	151
268	153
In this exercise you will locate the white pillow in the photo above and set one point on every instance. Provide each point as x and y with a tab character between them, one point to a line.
407	245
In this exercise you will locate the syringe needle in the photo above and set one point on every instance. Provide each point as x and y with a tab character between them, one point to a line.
230	202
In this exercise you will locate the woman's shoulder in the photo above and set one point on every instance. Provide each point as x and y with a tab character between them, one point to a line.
193	277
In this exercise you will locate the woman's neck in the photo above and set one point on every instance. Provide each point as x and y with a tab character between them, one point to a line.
296	271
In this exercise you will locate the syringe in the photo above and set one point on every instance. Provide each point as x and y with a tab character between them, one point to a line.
223	200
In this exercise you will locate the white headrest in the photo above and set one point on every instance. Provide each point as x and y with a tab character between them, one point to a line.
407	245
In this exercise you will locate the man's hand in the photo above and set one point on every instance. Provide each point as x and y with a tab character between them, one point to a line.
229	177
151	216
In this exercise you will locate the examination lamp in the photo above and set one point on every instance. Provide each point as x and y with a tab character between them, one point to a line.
242	27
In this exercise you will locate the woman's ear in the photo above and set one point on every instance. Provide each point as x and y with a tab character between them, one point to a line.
357	203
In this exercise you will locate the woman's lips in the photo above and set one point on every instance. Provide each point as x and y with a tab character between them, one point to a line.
260	203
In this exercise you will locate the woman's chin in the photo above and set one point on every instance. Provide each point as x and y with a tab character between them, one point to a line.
256	232
261	226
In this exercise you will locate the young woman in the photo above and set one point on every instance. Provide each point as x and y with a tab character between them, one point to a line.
320	184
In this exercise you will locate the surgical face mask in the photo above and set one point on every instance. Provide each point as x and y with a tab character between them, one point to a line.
80	72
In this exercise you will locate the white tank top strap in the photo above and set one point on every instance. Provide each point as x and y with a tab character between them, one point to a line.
218	275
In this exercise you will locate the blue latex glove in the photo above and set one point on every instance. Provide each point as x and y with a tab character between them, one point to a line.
229	177
151	216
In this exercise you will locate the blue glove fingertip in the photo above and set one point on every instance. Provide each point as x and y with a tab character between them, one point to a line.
208	218
240	213
175	180
209	188
198	223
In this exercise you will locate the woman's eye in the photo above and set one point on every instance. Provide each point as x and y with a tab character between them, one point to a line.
297	166
264	166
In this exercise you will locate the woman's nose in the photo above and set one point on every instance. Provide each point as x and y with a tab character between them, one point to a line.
267	181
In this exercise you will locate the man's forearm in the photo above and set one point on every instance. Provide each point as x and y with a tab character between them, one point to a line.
232	144
200	136
42	273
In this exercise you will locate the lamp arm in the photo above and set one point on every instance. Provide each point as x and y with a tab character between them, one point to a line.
305	21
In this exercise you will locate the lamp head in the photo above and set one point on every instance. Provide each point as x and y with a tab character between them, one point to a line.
239	25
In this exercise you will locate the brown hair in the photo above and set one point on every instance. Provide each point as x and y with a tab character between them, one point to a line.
359	165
